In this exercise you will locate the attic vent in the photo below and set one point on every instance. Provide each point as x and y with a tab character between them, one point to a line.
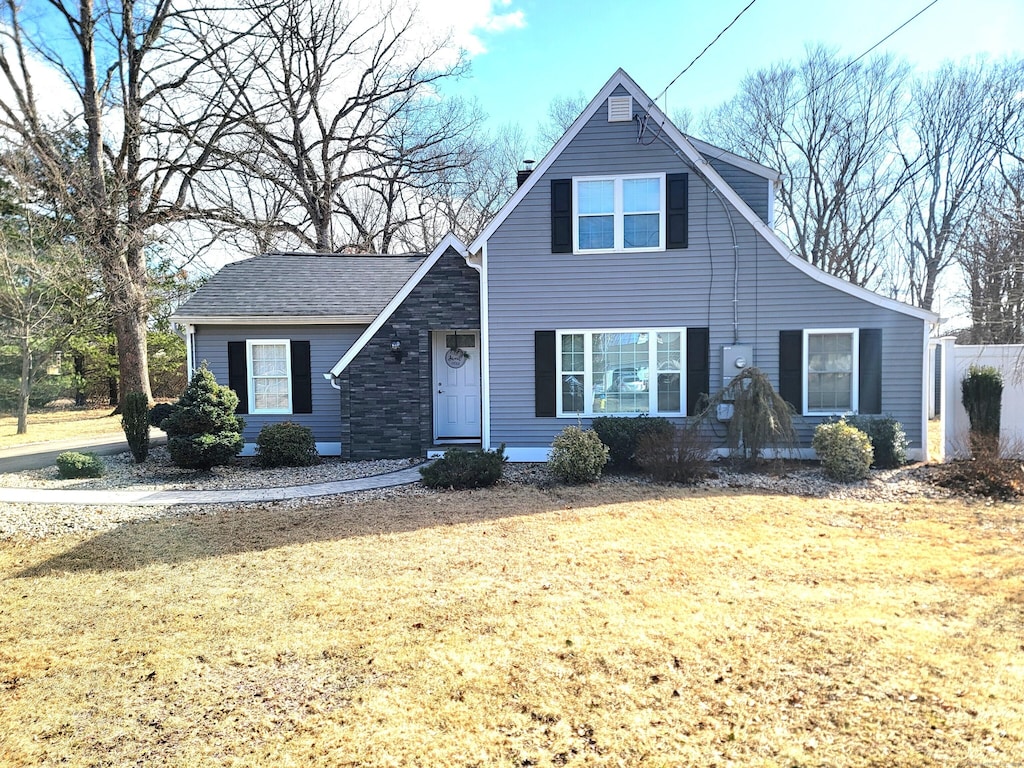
620	109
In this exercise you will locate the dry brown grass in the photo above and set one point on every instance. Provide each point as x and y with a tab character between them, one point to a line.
46	424
628	625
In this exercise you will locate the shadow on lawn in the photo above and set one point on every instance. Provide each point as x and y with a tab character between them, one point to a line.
171	540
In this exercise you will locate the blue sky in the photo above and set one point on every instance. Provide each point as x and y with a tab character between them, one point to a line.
562	47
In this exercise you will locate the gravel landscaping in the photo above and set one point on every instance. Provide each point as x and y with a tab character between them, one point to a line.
157	474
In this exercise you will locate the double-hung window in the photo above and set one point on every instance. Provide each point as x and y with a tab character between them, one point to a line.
619	213
621	372
831	357
269	370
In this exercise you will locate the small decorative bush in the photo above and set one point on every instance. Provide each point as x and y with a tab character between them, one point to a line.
577	455
203	430
844	451
684	456
72	464
888	440
982	396
286	445
459	468
622	435
135	423
159	412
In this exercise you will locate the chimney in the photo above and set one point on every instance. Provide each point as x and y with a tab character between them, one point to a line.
524	173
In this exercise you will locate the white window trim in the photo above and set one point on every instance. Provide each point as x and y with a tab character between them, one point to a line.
588	371
855	373
618	214
250	382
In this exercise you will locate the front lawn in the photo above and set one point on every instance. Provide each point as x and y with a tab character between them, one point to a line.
624	625
61	424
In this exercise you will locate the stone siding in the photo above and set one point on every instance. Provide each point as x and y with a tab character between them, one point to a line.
387	406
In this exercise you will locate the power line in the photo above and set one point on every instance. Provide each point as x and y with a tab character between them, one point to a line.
706	48
854	61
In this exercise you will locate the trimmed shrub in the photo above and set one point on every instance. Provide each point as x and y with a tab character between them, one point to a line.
982	395
681	457
577	455
135	423
459	469
622	435
888	440
203	430
844	451
286	445
72	464
159	412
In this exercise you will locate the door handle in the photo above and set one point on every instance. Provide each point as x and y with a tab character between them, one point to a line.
440	391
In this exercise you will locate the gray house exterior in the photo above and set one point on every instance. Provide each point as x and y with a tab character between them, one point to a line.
634	270
713	285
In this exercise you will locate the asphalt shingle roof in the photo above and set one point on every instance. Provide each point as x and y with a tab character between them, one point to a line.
302	285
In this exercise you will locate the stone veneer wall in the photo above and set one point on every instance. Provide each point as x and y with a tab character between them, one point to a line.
387	406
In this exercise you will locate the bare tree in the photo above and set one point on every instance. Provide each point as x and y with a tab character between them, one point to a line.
47	296
992	260
828	124
339	123
133	68
562	112
963	118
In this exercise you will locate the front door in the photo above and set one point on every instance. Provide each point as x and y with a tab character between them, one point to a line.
456	386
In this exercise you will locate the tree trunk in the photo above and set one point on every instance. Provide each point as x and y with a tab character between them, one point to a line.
112	389
25	387
81	396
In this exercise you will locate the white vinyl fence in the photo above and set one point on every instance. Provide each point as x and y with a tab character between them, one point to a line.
955	362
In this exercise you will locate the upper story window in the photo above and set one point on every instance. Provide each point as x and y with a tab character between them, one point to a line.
619	213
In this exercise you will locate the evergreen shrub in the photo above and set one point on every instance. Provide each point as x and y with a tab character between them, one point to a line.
286	445
577	456
844	451
459	469
72	464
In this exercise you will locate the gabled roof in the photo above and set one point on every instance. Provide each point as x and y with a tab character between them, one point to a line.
450	241
300	288
703	167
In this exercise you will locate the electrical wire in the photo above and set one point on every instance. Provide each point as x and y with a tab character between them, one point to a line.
706	48
854	61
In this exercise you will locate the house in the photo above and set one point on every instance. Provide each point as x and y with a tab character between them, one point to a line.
632	271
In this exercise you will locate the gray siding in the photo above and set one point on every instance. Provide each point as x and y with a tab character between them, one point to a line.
749	186
327	343
531	289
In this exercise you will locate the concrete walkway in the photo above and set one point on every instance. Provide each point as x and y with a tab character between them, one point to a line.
164	498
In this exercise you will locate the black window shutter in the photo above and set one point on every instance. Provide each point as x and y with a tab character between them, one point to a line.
870	370
698	367
545	370
677	216
302	378
791	368
238	374
561	215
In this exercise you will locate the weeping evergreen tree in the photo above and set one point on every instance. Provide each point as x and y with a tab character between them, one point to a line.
761	419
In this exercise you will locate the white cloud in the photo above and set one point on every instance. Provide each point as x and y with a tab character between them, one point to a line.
465	20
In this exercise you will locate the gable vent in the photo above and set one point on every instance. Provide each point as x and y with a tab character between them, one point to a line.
620	109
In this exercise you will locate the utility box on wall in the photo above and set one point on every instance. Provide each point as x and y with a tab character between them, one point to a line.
734	359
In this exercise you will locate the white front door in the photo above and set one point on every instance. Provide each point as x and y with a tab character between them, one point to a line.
456	385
